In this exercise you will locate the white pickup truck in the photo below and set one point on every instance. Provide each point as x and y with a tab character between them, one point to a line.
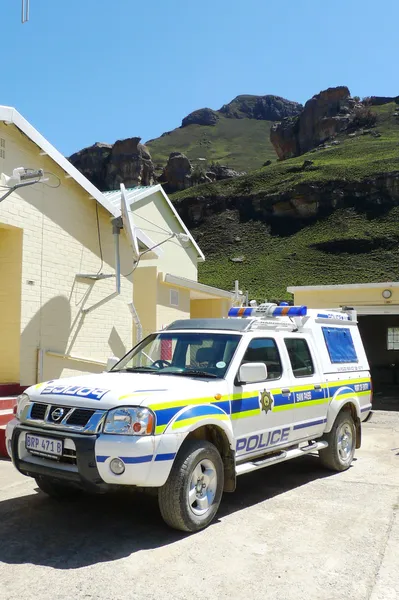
197	404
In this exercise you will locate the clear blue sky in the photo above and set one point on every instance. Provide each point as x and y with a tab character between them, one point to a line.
83	71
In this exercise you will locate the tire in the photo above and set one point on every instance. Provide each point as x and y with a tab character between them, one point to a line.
182	502
58	489
339	454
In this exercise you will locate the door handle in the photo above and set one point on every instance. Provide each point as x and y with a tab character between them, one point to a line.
286	392
317	387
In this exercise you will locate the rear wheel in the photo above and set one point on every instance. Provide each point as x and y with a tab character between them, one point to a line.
58	489
339	454
191	496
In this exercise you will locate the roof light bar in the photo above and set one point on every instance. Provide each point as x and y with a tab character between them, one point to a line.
268	310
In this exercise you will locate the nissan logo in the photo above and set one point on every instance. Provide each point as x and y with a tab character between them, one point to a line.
57	414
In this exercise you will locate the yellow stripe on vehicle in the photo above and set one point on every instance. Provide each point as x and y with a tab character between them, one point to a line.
192	420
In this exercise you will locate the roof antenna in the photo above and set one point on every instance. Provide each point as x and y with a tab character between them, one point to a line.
25	11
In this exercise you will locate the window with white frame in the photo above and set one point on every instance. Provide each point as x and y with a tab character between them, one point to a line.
174	298
393	338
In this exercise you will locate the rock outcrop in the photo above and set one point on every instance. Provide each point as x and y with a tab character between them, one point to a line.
262	108
203	116
303	203
323	116
180	174
177	173
219	172
106	166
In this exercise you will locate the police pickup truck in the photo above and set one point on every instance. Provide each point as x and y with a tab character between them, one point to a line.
197	404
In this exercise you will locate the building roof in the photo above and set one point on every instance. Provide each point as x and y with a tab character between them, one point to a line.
349	286
199	289
139	193
109	200
10	115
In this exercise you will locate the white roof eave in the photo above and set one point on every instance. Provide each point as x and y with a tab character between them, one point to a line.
10	115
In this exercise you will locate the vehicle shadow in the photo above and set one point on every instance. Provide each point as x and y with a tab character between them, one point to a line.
68	535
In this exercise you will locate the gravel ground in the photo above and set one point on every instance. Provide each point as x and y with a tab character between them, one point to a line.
289	532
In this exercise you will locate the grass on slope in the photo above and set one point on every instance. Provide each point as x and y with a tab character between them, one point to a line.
354	159
273	263
242	144
348	246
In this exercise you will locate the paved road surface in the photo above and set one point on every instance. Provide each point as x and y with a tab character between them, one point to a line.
290	532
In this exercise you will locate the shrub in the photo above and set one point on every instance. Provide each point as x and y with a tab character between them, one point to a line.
363	117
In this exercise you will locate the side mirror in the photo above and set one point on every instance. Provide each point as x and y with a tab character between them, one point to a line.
111	362
252	373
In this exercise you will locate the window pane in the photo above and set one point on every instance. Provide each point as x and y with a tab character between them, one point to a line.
393	338
300	357
265	350
340	345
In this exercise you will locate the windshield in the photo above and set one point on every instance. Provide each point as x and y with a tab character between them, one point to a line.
202	354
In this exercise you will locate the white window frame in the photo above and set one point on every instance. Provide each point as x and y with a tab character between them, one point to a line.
393	338
174	298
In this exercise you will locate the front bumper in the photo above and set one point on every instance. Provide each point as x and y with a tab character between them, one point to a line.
148	460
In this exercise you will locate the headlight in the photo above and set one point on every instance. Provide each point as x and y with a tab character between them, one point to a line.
22	401
130	420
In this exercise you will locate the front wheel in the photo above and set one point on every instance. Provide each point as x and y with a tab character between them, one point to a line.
339	454
191	496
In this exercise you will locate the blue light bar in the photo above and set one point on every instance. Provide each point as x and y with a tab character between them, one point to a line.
290	311
241	311
268	310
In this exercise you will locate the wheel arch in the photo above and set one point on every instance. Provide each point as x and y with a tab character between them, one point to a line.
348	404
223	441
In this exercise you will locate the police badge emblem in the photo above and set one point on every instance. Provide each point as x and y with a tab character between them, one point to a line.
266	401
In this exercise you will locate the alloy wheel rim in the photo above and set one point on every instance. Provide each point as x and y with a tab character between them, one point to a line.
345	442
202	488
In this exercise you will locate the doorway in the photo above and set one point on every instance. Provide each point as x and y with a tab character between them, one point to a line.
10	302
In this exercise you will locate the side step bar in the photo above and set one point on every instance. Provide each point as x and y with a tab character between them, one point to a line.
266	461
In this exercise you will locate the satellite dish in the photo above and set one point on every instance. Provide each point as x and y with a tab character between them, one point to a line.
128	223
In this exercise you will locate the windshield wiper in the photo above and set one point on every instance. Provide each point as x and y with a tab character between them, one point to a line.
137	369
195	373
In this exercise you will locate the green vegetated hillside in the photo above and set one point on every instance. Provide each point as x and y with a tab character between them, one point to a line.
352	189
243	144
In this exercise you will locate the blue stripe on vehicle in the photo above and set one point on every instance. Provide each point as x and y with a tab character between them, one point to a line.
166	414
244	404
281	399
136	459
224	405
101	458
351	386
166	456
199	411
310	424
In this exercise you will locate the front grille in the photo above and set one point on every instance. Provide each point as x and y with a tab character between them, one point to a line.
65	417
80	416
38	411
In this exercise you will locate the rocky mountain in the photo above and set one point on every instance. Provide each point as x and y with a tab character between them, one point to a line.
323	208
107	166
328	215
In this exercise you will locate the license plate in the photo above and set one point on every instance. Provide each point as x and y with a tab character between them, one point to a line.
43	445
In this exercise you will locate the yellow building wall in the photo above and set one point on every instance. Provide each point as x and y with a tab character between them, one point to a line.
155	218
145	284
364	296
207	309
166	313
60	240
10	302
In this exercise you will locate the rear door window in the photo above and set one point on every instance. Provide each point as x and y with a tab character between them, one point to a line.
300	357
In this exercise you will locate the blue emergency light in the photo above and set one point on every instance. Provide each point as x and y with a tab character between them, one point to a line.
268	310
